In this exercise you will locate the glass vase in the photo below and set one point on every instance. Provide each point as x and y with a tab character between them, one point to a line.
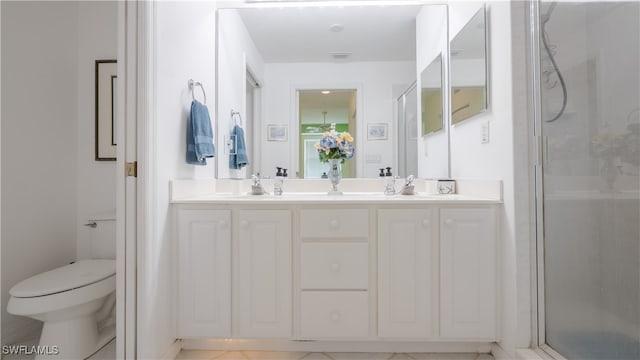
335	175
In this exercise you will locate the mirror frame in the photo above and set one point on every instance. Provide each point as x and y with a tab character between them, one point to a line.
484	11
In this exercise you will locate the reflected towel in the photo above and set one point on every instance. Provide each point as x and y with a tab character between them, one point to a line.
199	135
238	159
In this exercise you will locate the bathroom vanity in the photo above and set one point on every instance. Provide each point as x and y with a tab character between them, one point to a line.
361	266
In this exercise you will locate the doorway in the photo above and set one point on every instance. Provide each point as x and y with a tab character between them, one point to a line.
320	111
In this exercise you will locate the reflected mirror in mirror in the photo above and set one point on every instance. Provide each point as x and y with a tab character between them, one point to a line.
431	96
289	49
469	69
319	112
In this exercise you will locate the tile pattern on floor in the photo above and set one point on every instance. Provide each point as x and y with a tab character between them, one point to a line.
279	355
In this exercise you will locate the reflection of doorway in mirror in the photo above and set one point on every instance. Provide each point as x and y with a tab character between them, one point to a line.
408	127
317	110
466	102
252	112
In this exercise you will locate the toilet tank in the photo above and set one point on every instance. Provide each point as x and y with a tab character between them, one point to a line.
102	236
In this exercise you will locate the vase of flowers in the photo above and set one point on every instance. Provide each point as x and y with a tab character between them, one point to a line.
335	148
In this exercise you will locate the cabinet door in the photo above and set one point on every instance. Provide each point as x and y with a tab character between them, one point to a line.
204	273
468	274
263	269
405	240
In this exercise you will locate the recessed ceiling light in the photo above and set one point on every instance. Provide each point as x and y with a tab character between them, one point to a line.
326	92
336	27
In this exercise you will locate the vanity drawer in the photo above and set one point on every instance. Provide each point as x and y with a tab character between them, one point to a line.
331	314
334	223
334	266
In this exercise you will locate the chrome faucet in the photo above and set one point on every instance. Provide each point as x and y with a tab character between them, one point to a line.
256	187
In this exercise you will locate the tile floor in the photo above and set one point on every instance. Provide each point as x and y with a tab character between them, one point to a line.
275	355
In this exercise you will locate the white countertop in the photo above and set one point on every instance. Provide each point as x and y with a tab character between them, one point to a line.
324	198
355	191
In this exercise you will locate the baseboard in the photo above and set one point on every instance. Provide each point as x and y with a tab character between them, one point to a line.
335	346
173	350
528	354
499	353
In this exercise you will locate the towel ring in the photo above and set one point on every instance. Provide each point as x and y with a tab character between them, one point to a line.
235	115
192	85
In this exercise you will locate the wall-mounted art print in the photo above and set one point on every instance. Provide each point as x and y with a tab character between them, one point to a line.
277	132
377	131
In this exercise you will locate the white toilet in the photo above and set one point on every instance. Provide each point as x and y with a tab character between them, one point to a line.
76	302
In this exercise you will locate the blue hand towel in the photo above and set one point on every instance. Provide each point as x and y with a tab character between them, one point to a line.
239	157
199	135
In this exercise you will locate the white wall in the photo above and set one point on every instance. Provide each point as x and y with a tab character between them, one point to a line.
39	145
376	81
237	52
505	157
431	40
184	48
96	184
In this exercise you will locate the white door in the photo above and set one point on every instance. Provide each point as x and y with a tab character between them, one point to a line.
405	272
262	305
468	272
204	273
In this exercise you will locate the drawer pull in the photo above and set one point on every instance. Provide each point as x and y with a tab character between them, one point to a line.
426	222
335	267
335	316
449	222
334	224
244	224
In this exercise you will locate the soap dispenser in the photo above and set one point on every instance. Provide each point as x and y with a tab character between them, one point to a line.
279	182
389	182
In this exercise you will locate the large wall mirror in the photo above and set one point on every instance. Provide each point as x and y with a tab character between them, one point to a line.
431	96
468	69
307	60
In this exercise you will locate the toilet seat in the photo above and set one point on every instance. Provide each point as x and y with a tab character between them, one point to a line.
74	276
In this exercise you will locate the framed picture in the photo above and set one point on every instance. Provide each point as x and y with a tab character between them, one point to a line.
277	132
377	131
106	85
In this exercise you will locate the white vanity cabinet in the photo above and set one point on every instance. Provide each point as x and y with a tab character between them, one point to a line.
204	268
263	274
406	267
468	273
368	270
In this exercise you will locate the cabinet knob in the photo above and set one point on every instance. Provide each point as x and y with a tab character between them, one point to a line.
334	224
426	222
449	222
335	267
335	316
224	224
244	224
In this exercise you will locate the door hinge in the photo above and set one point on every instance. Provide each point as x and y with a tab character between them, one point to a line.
131	169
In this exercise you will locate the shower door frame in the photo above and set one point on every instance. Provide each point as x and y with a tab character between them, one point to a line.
537	160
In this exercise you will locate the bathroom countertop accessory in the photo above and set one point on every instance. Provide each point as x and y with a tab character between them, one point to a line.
409	186
446	186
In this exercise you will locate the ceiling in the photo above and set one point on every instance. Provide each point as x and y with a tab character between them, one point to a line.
302	34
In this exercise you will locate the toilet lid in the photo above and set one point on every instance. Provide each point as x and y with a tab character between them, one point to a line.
73	276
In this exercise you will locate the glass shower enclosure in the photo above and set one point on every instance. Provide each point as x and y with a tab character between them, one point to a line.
587	82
